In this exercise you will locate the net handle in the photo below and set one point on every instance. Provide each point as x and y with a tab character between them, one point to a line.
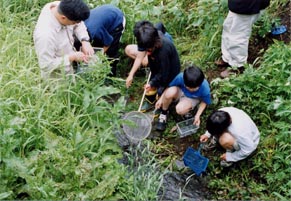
144	92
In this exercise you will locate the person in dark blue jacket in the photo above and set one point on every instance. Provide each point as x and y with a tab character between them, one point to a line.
237	29
105	27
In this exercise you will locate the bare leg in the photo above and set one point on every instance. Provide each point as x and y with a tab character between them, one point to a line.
227	141
131	51
170	94
184	106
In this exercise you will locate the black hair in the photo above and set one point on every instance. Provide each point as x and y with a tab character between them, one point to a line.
75	10
146	34
218	122
193	76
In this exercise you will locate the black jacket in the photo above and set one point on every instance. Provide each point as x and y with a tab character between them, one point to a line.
164	64
247	6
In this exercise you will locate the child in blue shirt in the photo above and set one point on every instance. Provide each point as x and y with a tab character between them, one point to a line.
189	89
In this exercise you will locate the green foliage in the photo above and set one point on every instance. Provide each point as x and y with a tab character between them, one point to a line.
57	139
146	177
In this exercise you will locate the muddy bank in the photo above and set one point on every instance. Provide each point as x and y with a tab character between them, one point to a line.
176	185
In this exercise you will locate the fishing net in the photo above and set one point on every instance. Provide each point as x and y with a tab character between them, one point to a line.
195	161
137	126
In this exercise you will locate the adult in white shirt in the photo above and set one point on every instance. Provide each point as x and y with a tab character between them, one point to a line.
236	132
58	23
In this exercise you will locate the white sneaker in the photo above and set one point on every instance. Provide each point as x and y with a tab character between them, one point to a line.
162	122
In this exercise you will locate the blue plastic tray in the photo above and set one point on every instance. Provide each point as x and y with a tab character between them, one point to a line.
195	161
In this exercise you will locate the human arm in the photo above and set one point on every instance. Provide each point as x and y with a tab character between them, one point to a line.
201	108
87	49
160	101
81	33
54	54
136	65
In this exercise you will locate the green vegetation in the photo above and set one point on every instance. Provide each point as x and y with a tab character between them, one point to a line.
57	140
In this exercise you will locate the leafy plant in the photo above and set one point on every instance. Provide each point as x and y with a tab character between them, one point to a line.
57	139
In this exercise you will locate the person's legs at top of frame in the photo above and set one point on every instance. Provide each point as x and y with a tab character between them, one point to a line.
236	32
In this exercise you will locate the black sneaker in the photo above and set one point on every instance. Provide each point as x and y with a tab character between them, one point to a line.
162	122
226	163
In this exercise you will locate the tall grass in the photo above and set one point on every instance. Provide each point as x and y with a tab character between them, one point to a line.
57	138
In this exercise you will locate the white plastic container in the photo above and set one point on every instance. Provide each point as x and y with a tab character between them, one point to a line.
186	127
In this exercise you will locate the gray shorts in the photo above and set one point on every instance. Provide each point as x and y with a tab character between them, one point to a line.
181	96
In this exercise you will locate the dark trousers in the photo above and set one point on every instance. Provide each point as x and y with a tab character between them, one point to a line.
112	51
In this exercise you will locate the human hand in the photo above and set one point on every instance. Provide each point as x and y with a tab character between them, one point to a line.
78	57
129	80
147	87
87	49
223	157
203	138
158	104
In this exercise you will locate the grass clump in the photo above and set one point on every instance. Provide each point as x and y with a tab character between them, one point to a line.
57	139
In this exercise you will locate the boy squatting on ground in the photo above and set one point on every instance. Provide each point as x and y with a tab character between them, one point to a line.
236	133
189	88
163	60
53	37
